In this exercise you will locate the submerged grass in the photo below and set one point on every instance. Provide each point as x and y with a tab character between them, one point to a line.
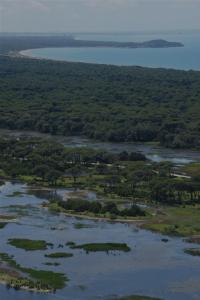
70	244
15	194
55	264
193	239
102	247
192	251
82	226
59	255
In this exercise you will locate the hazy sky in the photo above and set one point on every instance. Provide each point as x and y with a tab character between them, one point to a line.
98	15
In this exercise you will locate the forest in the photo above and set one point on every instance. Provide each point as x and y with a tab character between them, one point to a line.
102	102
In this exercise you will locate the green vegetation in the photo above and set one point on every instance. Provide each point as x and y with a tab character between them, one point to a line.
82	226
102	247
53	280
122	181
59	255
102	102
192	251
110	103
29	245
98	209
177	221
120	175
193	239
3	224
15	194
14	280
193	170
40	279
7	217
70	244
55	264
36	160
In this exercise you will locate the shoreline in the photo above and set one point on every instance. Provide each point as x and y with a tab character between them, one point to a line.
23	55
26	288
160	226
103	219
154	146
6	279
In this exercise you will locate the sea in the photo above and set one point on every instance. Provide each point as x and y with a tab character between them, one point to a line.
182	58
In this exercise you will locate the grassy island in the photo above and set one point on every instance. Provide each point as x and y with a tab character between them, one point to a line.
102	247
29	245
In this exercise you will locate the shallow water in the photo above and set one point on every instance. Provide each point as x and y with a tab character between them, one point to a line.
152	152
185	58
151	268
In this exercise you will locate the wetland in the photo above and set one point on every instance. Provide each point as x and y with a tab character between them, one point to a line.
148	256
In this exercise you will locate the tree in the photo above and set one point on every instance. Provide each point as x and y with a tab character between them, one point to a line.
75	172
52	176
41	171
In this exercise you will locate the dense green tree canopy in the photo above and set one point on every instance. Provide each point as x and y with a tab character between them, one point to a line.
102	102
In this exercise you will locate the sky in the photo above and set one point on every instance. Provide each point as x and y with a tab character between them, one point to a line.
98	15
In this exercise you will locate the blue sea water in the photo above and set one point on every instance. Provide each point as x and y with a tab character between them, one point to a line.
186	58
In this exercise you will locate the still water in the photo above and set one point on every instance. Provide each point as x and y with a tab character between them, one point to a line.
153	152
151	267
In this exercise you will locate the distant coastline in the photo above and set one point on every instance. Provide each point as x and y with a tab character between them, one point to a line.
16	44
157	43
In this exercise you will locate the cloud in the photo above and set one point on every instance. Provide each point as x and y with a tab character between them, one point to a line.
28	4
98	15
